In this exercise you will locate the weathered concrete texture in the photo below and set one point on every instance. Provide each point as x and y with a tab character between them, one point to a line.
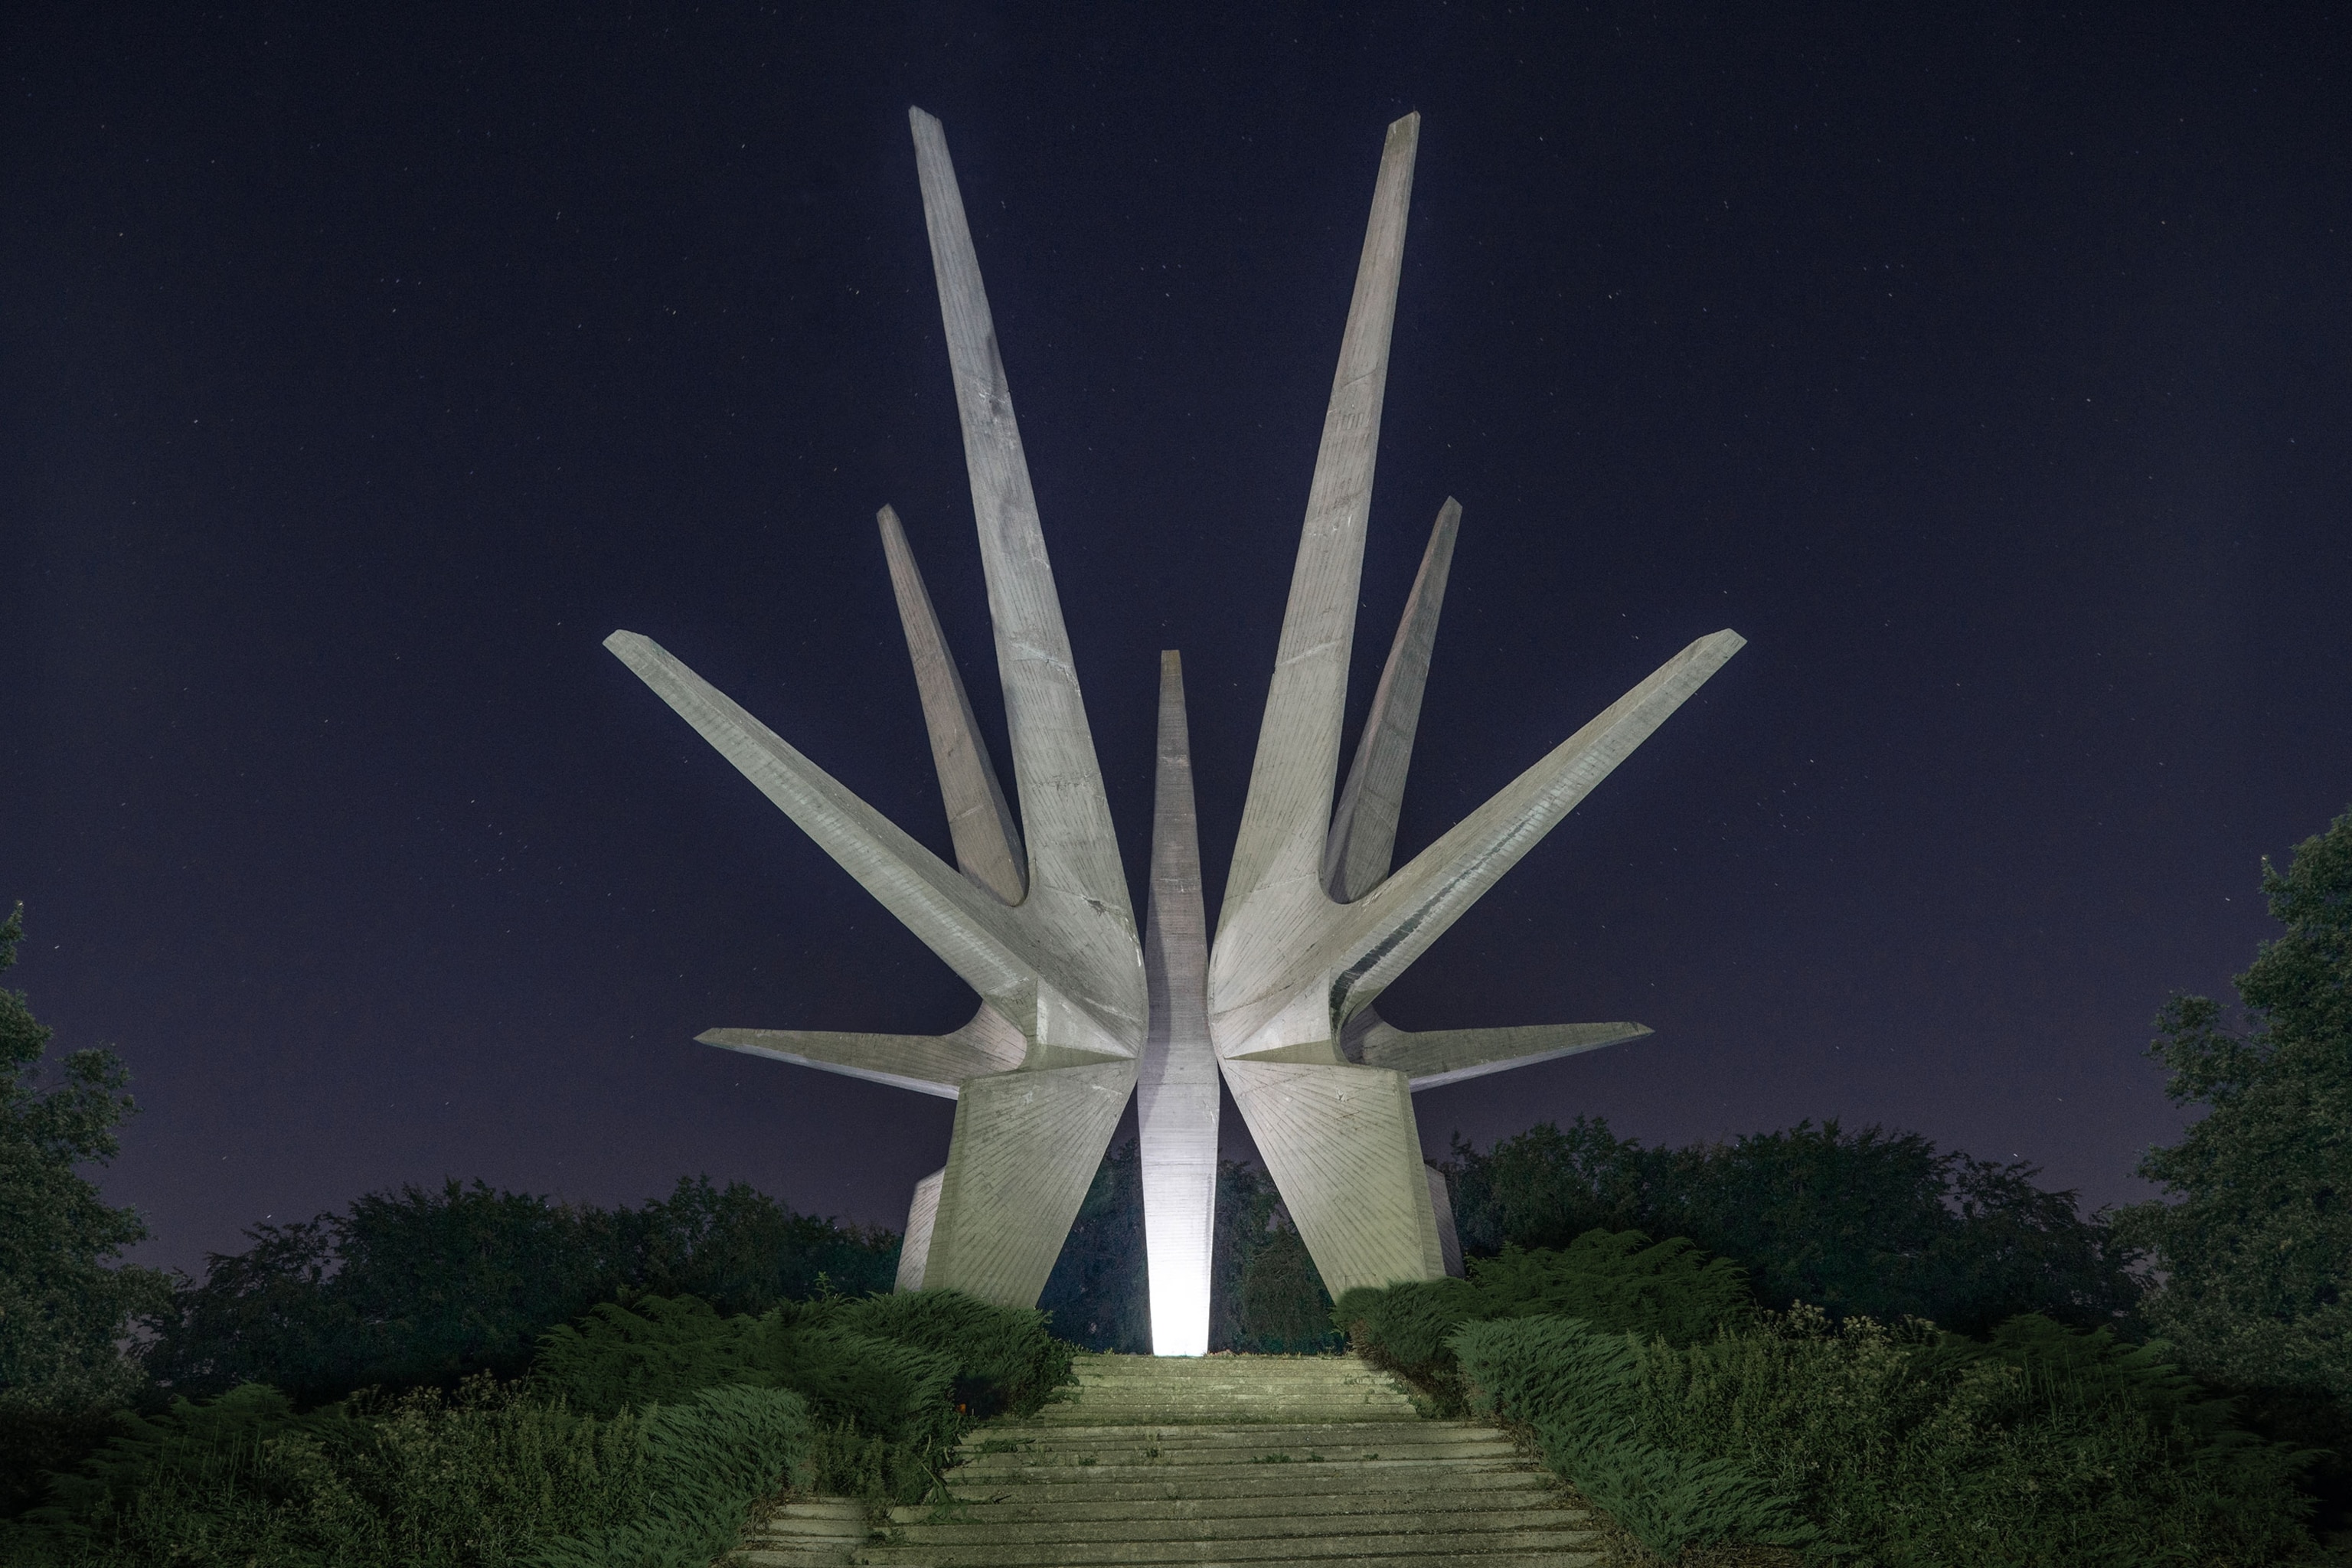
1037	921
1076	881
1315	926
1441	1204
1432	1057
980	822
1362	841
1343	1148
923	1218
1176	1095
928	1063
1240	1460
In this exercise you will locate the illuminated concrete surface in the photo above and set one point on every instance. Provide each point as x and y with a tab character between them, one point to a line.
1075	1010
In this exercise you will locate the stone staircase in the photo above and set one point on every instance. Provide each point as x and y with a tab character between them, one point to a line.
1223	1459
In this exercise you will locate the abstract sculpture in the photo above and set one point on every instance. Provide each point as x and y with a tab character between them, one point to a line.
1075	1010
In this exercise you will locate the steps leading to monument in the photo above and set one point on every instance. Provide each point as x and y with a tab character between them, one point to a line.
1223	1459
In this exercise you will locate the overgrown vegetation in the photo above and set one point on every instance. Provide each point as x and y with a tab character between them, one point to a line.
2042	1444
1616	1281
66	1305
1871	1222
641	1439
419	1287
2255	1228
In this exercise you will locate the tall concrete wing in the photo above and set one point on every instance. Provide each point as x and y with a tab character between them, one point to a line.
1076	1011
1363	830
1314	924
980	822
1036	917
1176	1090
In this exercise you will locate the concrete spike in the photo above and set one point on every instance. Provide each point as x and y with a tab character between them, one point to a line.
928	1063
1441	1206
1075	872
915	1246
1278	854
1176	1089
1025	1148
1342	1146
987	841
1394	925
1434	1057
1306	977
1357	854
976	936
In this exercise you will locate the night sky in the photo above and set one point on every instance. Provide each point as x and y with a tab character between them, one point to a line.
1984	366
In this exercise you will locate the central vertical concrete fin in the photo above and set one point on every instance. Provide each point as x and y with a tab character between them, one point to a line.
1176	1086
1363	830
1074	865
987	843
1277	857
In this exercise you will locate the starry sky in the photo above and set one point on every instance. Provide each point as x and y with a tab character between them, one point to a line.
1984	365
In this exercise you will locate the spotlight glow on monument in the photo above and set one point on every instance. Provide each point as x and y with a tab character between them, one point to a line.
1076	1009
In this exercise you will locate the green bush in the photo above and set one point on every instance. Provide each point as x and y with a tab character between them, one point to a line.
1576	1390
1615	1281
2040	1446
892	1381
486	1478
430	1287
1878	1223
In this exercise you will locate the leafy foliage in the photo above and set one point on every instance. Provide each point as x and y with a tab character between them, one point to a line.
2039	1445
1099	1292
63	1303
892	1381
1871	1222
1614	1281
415	1287
1575	1390
487	1477
2255	1245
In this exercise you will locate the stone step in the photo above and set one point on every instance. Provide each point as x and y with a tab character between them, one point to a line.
1276	1480
1293	1442
1536	1492
1209	1432
1534	1548
1452	1524
1188	1476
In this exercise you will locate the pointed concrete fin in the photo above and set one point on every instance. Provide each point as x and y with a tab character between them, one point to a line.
915	1247
1288	812
1073	851
987	843
1396	922
975	935
1363	830
1176	1089
928	1063
1026	1149
1433	1057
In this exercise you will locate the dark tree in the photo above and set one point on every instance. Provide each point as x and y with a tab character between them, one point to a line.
2254	1236
64	1303
1871	1222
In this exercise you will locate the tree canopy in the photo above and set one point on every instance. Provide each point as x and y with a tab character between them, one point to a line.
2254	1237
64	1303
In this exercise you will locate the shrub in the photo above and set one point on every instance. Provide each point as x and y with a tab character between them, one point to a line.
1575	1391
1615	1281
892	1381
486	1478
1872	1222
2040	1445
430	1287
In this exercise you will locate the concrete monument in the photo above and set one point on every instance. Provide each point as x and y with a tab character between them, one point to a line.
1075	1009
